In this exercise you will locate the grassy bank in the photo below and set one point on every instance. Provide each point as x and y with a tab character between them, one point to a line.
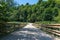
47	22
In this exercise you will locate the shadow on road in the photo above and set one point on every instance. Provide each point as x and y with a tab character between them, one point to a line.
28	34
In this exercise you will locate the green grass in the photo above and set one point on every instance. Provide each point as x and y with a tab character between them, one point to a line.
47	22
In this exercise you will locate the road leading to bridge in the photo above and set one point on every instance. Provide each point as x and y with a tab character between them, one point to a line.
29	32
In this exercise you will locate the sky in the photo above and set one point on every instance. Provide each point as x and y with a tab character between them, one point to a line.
26	1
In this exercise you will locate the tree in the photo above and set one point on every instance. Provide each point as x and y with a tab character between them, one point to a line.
39	2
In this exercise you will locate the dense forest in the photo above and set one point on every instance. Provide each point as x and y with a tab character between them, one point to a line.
42	11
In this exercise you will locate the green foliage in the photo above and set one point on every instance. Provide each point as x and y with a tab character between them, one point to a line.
42	11
5	10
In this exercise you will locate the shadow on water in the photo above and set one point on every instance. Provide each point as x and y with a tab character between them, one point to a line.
18	35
